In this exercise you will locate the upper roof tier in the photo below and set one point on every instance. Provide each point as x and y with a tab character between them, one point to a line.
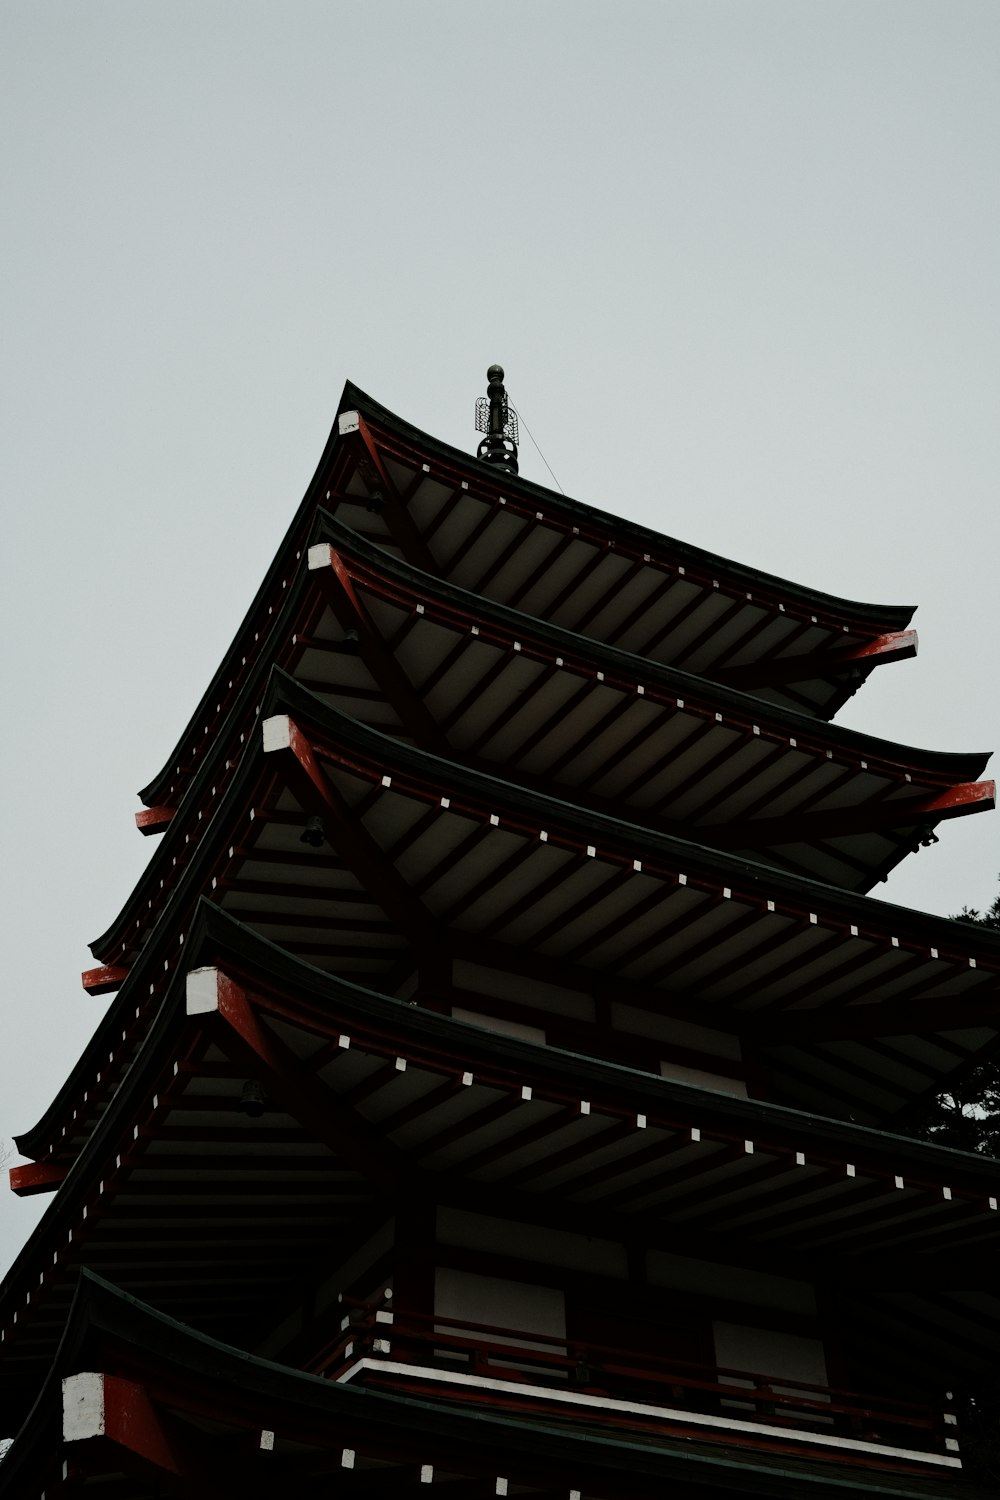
592	573
599	575
476	681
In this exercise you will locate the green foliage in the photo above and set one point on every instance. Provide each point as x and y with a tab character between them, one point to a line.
967	1116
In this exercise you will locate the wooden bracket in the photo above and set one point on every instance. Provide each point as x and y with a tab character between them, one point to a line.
103	981
36	1177
153	819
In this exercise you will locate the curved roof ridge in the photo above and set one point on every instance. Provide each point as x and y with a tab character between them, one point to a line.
895	616
878	618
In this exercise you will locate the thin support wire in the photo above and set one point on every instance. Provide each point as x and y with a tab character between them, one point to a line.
538	450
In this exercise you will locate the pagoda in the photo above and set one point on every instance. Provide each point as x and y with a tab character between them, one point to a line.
507	1078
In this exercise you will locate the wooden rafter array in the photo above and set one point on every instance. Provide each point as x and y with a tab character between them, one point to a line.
838	1004
482	685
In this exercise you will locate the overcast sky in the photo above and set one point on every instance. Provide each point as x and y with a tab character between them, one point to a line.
738	257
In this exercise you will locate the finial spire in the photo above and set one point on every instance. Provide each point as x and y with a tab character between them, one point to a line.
495	418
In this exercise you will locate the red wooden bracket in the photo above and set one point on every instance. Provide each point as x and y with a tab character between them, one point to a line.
153	819
111	1407
104	980
408	534
897	646
955	802
36	1177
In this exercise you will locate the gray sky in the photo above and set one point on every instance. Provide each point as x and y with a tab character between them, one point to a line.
738	257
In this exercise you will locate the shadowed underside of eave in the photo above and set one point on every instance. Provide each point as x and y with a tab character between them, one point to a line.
848	1005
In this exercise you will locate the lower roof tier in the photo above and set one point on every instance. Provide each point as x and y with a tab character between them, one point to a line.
273	1111
138	1405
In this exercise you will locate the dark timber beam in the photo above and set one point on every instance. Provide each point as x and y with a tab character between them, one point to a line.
806	827
291	1083
896	646
914	1017
346	833
396	514
350	610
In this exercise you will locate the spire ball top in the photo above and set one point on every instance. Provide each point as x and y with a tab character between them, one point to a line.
495	418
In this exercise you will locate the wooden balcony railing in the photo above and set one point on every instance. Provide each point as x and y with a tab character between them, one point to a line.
519	1368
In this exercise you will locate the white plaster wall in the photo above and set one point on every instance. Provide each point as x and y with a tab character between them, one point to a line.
516	1305
765	1351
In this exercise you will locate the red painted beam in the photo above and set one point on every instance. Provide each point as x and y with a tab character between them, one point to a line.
384	667
956	802
153	819
104	980
286	1080
109	1407
398	517
347	834
897	646
36	1177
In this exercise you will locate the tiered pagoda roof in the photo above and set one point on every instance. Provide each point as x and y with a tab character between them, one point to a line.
136	1385
510	864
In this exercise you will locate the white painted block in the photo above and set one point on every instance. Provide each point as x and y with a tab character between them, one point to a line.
348	421
319	556
83	1407
277	733
202	992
